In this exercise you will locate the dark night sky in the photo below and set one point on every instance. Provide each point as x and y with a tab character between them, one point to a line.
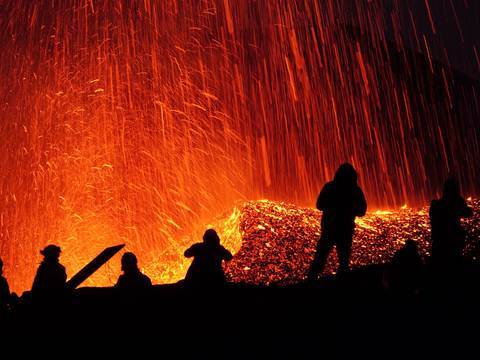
456	23
458	38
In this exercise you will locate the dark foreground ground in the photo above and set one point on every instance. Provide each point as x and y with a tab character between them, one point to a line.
338	317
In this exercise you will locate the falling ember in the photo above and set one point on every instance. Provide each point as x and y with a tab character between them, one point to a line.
141	122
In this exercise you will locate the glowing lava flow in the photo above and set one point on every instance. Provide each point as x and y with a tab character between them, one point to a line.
138	121
279	240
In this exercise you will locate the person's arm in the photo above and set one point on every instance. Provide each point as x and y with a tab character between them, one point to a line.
190	251
466	211
323	197
361	203
227	255
147	281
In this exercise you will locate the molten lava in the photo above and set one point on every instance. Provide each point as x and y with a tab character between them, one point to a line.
279	240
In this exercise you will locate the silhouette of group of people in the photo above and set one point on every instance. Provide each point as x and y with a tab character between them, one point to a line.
49	284
340	200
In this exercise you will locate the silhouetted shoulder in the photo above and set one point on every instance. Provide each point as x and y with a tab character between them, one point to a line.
121	281
62	273
326	195
434	205
146	280
132	278
49	275
135	281
360	202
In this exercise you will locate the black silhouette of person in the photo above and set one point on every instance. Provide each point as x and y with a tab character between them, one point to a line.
340	200
132	278
51	277
4	291
404	274
206	268
448	235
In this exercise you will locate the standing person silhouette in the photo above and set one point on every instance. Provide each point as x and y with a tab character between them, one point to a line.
51	276
448	236
206	268
340	200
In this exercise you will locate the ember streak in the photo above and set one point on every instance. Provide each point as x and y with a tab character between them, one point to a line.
279	240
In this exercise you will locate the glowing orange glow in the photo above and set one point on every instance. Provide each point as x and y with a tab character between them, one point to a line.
141	122
279	240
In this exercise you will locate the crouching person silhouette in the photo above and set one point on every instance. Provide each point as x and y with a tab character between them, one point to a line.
404	275
206	268
340	200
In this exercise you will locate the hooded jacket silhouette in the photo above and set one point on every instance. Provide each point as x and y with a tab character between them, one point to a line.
340	201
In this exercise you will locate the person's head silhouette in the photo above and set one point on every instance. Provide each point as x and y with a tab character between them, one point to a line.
1	267
51	252
129	262
345	175
451	187
211	237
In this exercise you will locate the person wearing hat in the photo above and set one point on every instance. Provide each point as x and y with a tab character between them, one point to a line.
51	277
